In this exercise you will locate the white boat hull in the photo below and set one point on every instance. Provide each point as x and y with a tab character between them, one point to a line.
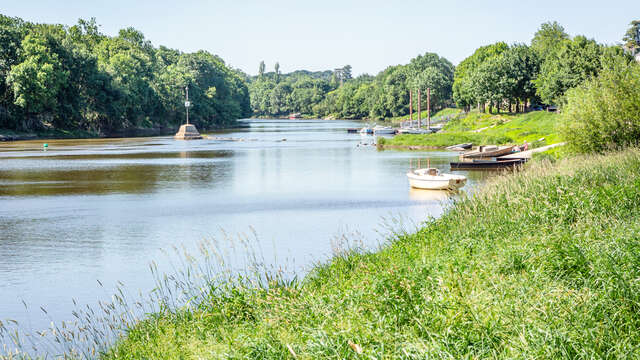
384	132
438	182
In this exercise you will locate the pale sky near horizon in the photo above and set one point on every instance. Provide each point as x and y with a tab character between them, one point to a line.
322	35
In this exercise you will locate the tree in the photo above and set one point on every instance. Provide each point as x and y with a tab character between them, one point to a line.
346	73
632	37
277	70
36	80
261	69
432	71
575	61
466	92
602	114
548	39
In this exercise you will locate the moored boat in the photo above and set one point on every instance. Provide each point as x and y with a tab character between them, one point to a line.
487	164
488	152
432	179
383	130
457	147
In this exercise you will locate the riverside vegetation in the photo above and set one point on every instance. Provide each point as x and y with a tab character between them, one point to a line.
540	264
64	81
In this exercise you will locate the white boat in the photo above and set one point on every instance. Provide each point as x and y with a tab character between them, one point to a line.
383	130
432	179
366	131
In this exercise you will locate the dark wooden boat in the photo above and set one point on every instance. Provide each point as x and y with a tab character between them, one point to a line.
487	164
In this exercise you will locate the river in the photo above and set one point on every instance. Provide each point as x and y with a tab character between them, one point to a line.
102	209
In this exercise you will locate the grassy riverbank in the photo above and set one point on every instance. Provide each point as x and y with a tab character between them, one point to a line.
483	129
541	264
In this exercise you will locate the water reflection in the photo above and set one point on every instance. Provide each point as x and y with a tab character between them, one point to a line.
135	173
431	195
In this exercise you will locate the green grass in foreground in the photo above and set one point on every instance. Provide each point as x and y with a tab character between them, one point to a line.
541	264
484	129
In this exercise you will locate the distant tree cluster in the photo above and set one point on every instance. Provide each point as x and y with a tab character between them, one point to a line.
55	76
508	77
336	93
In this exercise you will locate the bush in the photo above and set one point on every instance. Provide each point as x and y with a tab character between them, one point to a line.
604	113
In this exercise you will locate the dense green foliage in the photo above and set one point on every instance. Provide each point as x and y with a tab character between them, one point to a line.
548	39
336	94
517	271
60	77
502	76
631	38
575	61
604	113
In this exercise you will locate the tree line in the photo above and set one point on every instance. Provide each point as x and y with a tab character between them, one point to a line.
75	77
337	94
496	77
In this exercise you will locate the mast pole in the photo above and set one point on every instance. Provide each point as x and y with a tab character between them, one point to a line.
429	108
419	110
410	108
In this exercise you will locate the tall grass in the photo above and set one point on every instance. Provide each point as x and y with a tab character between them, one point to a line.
224	262
543	263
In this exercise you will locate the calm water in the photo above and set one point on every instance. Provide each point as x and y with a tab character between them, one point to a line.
88	210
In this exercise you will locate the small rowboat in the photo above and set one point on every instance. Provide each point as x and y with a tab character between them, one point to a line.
488	152
432	179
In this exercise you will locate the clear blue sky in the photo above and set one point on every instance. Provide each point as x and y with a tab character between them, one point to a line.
318	35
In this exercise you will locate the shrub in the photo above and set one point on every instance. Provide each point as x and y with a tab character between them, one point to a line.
604	113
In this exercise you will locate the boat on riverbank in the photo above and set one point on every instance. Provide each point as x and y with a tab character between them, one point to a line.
479	164
432	179
489	151
460	147
383	130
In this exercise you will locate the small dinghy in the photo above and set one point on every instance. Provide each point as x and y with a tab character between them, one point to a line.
432	179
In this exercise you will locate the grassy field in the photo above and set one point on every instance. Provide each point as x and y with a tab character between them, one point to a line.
543	263
485	129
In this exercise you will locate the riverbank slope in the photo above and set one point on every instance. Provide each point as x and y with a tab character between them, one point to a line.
485	129
542	263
